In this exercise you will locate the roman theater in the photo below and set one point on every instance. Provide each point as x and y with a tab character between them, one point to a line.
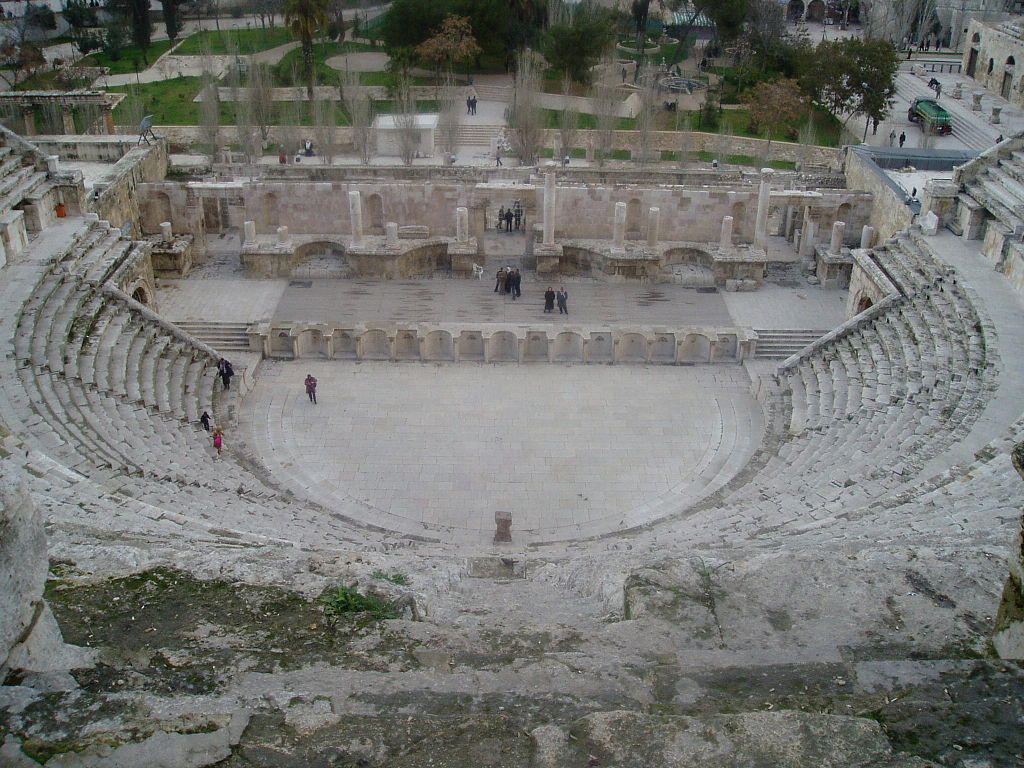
752	501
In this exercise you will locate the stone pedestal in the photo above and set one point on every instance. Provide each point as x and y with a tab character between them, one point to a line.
172	256
725	239
653	226
976	101
53	164
994	118
940	196
355	210
836	243
807	240
867	235
166	234
283	239
461	225
250	232
391	235
619	228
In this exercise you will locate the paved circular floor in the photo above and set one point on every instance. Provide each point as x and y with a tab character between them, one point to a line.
368	61
434	450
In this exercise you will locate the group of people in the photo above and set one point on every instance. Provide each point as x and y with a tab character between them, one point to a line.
509	216
509	281
562	297
218	433
471	104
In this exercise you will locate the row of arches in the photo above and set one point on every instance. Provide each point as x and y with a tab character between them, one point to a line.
685	347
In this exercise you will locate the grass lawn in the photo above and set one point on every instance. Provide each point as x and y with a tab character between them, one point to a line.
170	103
292	61
129	58
586	121
243	40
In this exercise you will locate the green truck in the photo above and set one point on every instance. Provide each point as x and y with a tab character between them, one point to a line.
931	116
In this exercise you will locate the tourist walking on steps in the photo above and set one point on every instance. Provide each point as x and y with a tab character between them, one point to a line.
218	440
205	421
226	371
311	387
903	138
549	299
563	301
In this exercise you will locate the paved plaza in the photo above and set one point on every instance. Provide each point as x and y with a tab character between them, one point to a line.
572	451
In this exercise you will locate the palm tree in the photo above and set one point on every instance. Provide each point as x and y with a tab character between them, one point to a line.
306	17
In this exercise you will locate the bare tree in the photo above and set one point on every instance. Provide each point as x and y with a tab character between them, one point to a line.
645	118
261	98
448	125
291	120
808	139
405	120
604	96
209	107
323	126
525	119
360	112
568	117
265	10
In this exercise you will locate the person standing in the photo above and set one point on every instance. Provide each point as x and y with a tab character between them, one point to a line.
549	299
497	157
501	218
517	213
499	280
517	280
218	440
563	301
508	220
892	137
205	421
311	387
469	105
903	138
226	371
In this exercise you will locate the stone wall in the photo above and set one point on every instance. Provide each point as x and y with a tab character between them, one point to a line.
504	344
890	212
998	59
1008	637
115	197
96	149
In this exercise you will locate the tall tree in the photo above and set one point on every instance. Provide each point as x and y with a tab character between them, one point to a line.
574	45
525	119
306	18
779	102
169	8
141	26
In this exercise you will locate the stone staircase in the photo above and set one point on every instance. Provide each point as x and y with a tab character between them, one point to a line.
474	135
778	344
223	337
1000	188
494	92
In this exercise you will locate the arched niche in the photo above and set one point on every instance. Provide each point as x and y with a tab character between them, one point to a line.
634	218
691	267
375	214
503	347
157	210
438	345
345	345
727	347
374	345
281	343
739	220
567	348
270	211
311	343
695	348
321	259
141	295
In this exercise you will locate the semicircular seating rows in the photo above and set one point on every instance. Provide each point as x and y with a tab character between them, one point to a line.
107	389
859	414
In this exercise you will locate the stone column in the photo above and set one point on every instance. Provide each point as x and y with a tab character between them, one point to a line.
763	194
282	236
108	120
462	225
807	241
725	239
867	234
391	235
836	243
976	101
250	233
619	228
653	225
67	119
995	114
355	212
29	116
549	205
167	234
